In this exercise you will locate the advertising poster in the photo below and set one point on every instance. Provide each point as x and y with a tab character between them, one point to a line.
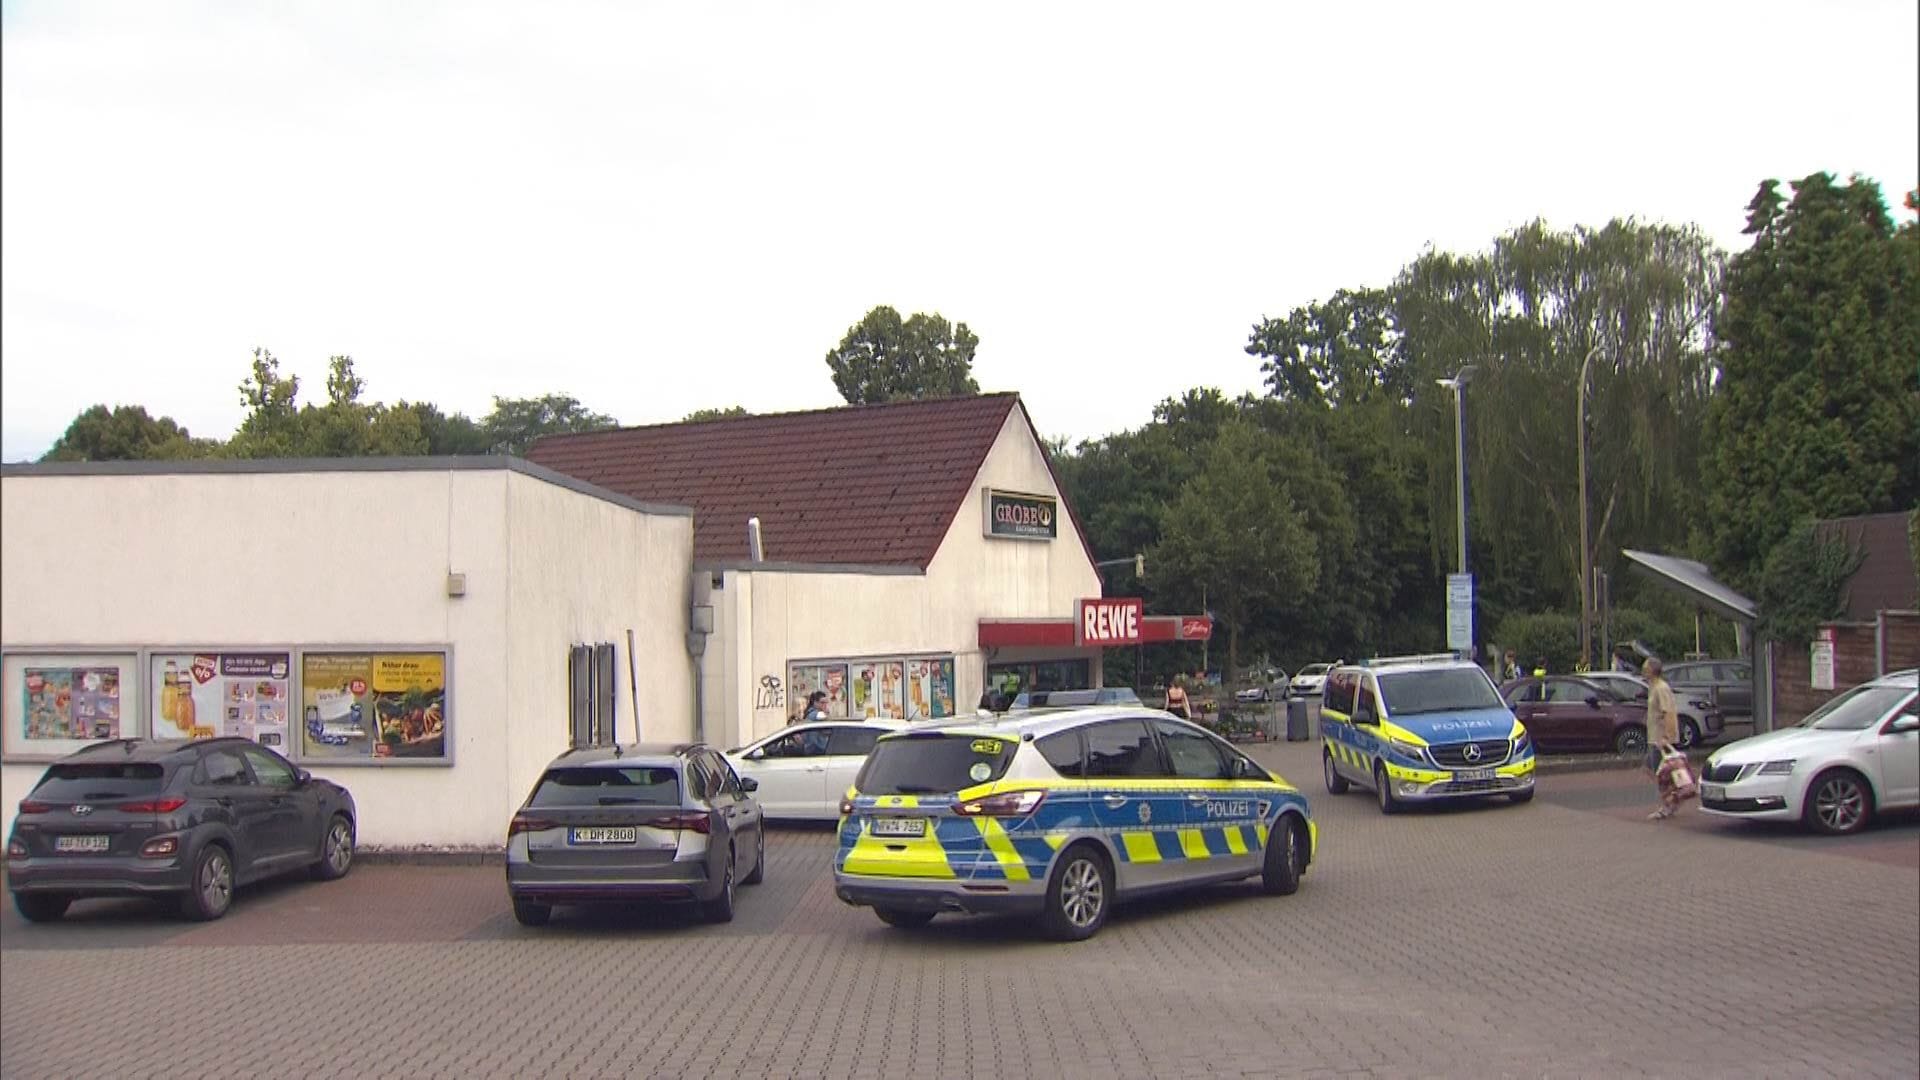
71	703
246	695
804	679
879	689
374	705
929	689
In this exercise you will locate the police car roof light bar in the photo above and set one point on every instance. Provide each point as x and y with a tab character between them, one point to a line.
1394	661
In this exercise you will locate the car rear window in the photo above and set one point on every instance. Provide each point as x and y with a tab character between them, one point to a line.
630	785
102	780
934	764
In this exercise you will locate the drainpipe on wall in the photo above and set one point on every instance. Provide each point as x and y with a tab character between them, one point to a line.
699	625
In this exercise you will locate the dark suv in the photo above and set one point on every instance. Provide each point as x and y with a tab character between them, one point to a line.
1726	685
193	820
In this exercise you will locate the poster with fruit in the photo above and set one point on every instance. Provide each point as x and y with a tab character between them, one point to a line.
202	695
374	705
410	704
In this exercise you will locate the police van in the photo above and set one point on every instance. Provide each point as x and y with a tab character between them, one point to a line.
1419	729
1058	814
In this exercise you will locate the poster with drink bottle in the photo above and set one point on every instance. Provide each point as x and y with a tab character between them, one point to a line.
929	689
202	695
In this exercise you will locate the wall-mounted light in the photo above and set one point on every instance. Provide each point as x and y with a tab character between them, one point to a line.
456	584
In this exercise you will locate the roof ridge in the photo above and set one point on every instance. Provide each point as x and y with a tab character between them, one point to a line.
1010	395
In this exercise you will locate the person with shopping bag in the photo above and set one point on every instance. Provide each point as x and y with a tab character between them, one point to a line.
1672	777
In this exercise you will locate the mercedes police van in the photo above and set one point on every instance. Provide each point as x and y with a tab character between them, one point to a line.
1058	813
1422	728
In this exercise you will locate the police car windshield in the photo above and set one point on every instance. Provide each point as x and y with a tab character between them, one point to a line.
933	764
1410	693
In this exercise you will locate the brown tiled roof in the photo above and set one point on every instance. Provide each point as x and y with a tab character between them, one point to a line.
872	485
1885	580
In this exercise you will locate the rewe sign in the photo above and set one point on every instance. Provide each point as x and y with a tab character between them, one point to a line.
1109	622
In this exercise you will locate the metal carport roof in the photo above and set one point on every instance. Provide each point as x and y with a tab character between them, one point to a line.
1696	582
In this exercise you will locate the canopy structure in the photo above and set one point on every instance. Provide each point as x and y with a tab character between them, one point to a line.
1697	583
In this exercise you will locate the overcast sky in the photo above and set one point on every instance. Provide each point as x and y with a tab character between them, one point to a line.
660	207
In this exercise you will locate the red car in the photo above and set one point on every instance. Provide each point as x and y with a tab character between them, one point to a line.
1565	713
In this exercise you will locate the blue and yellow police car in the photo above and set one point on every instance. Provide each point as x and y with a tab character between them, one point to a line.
1421	728
1059	814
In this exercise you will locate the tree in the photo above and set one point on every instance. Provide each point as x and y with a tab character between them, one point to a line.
1817	412
1804	583
126	433
447	435
517	423
883	358
271	426
698	415
278	426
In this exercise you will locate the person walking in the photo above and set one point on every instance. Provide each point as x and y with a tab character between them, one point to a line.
816	707
1663	734
1177	702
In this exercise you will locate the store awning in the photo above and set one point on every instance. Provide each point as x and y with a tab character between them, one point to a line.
1697	583
1065	633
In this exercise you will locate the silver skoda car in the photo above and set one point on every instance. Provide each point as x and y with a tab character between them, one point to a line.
626	823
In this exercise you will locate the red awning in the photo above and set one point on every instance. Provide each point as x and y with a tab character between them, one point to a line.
1059	633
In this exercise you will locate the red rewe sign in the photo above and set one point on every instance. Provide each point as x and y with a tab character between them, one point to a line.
1109	622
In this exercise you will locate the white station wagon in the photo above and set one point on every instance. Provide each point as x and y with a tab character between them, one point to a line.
1859	754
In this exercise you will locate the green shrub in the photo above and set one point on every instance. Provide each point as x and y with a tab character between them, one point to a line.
1542	634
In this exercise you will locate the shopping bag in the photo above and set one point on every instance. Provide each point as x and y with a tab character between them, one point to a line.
1676	776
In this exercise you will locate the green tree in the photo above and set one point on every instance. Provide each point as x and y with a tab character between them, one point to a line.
517	423
884	358
126	433
698	415
1803	584
272	424
1817	412
278	426
447	435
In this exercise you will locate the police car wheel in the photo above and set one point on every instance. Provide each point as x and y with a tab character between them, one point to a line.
901	917
1078	895
1286	852
1336	784
1383	787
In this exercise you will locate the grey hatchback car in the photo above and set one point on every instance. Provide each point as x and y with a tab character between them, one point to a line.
192	820
641	822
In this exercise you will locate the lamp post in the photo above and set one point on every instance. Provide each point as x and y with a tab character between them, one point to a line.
1458	384
1586	550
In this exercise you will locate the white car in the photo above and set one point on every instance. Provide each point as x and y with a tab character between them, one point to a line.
1309	680
1859	754
805	770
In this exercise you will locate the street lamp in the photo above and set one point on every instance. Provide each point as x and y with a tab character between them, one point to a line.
1458	384
1586	551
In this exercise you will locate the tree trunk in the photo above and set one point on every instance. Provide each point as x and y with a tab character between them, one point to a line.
1233	655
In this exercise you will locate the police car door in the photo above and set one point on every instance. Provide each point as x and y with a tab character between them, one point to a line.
1221	816
1337	731
1137	807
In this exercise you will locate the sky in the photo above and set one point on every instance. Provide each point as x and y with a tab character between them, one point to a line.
659	207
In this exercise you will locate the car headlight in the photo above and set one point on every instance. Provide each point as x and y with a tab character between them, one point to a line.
1412	750
1778	768
1523	744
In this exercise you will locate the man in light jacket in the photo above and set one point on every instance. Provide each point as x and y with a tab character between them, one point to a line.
1663	734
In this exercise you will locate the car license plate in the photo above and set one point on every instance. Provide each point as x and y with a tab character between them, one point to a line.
893	826
625	835
82	843
1713	792
1472	775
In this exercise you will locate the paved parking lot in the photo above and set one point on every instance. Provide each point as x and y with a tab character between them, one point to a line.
1568	937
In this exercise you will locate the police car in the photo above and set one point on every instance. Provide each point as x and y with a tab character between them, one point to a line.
1059	814
1422	728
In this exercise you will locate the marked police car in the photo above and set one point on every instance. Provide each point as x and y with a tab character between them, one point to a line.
1421	728
1059	814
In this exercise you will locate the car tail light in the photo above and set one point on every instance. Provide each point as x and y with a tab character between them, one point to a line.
159	849
700	823
16	850
1007	804
522	823
154	806
28	806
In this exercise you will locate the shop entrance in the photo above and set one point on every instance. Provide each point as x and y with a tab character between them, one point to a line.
1036	675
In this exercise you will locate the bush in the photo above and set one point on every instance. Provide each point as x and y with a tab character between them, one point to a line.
1548	634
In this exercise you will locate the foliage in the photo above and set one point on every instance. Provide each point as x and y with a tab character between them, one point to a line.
125	433
1817	413
698	415
884	358
517	423
1804	583
1550	635
446	435
278	426
1913	539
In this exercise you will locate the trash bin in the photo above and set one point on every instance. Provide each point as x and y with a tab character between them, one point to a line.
1296	719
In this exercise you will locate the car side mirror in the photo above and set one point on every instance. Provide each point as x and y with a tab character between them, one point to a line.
1593	701
300	777
1903	724
749	784
756	755
1364	715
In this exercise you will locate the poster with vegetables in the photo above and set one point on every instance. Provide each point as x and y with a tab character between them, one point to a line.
410	705
374	705
245	695
878	689
71	703
804	679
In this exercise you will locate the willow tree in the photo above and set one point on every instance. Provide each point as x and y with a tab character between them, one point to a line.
1528	313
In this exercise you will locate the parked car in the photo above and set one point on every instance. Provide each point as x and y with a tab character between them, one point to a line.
803	771
1723	686
1261	691
1567	713
1309	680
187	821
1699	721
1856	756
1422	729
1075	699
644	822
